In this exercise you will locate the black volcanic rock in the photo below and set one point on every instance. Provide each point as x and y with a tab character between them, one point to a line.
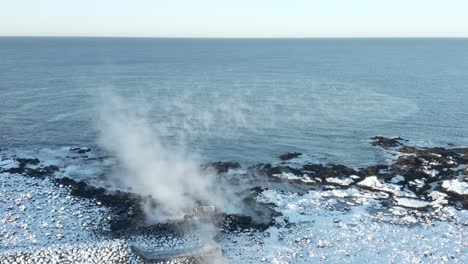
25	161
290	155
238	222
386	142
270	170
42	172
111	199
379	170
80	150
408	149
461	150
120	202
328	170
38	172
222	166
410	161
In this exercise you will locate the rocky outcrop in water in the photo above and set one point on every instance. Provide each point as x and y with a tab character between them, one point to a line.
289	155
424	174
221	166
80	150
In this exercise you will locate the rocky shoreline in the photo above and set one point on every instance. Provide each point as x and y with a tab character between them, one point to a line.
418	186
434	174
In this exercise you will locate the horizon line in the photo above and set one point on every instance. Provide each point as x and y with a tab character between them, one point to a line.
181	37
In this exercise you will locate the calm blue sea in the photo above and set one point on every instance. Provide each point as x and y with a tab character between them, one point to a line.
244	100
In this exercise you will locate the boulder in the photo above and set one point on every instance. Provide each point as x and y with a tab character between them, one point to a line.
289	155
222	166
386	142
328	170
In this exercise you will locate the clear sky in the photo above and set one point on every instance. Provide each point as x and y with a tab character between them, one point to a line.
235	18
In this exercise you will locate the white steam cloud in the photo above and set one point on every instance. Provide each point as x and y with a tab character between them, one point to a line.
152	167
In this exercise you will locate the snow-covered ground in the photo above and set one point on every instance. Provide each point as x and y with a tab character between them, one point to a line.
353	220
316	227
36	213
42	221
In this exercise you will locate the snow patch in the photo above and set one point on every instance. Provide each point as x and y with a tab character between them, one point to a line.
411	203
375	184
456	186
344	182
430	172
397	179
286	176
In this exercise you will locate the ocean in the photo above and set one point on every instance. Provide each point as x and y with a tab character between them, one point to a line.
245	100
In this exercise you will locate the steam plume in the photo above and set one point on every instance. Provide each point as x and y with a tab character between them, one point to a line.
151	166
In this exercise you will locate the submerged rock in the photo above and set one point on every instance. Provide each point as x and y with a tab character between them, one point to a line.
386	142
222	166
80	150
289	155
25	161
328	170
271	170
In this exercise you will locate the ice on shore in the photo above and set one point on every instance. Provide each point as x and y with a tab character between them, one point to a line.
341	182
411	202
456	186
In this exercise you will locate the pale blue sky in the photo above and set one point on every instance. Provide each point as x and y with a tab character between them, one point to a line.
235	18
